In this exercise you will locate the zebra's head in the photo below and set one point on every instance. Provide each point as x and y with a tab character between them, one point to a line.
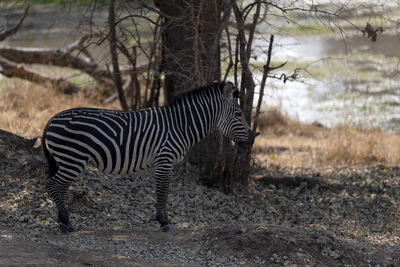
232	122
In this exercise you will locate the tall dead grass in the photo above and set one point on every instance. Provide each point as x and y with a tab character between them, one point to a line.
25	108
274	122
348	146
290	143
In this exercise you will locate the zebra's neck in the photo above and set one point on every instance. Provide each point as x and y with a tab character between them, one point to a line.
197	114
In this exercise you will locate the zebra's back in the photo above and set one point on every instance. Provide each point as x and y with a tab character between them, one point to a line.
115	141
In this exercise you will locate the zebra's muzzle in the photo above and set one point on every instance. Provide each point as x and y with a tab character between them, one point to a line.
245	144
249	142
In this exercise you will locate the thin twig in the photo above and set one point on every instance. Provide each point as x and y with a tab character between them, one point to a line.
262	85
136	16
230	64
114	56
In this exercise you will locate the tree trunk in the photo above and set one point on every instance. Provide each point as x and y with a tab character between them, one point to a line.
177	38
191	54
239	171
191	58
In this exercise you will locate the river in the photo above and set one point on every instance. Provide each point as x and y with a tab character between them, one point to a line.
343	80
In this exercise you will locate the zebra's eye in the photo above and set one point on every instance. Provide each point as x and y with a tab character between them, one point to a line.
238	113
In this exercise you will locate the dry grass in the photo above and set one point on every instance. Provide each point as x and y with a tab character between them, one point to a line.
274	122
288	143
25	108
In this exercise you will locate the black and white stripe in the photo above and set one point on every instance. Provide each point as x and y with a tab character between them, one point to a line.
120	142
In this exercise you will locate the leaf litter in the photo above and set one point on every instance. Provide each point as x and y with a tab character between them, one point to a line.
287	217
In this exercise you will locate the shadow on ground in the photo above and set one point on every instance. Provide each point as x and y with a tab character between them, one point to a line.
285	218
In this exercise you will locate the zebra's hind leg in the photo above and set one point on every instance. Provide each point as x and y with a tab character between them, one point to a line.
163	173
57	187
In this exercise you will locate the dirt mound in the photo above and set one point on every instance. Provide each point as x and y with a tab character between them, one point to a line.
296	246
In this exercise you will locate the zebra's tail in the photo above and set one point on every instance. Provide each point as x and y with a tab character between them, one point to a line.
53	166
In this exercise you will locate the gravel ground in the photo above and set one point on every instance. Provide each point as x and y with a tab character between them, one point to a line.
339	216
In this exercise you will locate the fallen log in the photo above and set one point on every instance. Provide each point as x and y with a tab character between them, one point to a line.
62	58
13	62
10	69
55	57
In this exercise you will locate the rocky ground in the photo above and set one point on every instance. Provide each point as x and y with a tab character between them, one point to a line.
328	217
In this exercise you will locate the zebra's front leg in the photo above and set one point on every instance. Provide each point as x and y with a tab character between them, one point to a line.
58	190
163	173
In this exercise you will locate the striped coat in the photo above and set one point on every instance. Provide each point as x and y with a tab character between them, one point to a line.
120	142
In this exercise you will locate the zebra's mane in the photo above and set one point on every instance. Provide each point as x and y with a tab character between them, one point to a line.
214	86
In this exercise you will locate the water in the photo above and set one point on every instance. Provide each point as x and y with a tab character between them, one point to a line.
48	26
359	83
343	88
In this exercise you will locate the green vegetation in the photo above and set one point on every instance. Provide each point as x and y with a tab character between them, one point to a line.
305	24
359	66
306	29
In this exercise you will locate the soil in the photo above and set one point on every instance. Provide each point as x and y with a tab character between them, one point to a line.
300	217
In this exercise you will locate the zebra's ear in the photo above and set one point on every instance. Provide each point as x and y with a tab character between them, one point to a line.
230	91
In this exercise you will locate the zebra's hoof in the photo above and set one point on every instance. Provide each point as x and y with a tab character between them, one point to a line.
66	228
166	228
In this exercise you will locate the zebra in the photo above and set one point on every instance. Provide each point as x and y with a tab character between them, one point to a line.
122	142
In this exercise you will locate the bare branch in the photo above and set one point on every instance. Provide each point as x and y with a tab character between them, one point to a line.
114	57
279	66
252	29
114	96
228	35
223	25
262	85
284	77
247	76
313	9
13	30
136	16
